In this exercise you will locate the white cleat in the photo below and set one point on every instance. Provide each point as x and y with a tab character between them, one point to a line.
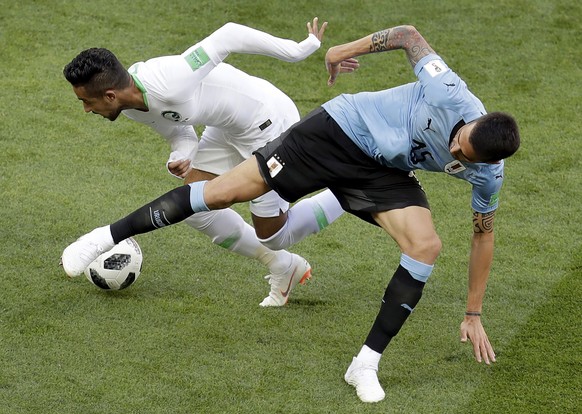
365	379
78	255
282	284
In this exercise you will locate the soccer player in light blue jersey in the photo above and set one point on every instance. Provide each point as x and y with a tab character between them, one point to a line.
364	148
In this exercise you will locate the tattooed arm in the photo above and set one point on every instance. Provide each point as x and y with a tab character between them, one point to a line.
479	267
400	37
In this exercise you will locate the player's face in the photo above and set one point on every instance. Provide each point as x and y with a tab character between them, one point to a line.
105	105
461	149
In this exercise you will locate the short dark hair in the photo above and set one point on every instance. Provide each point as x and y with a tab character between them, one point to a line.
98	70
495	136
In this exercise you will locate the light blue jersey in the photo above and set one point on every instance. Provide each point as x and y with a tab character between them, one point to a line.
410	127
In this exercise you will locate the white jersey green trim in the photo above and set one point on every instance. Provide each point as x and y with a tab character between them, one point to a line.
141	88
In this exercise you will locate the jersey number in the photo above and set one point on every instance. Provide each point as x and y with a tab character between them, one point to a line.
416	153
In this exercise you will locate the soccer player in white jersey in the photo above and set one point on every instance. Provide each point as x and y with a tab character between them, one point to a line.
364	148
240	113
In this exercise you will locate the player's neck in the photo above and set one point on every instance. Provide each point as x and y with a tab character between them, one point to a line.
133	98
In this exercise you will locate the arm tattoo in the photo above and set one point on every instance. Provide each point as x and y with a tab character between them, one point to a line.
379	40
401	37
483	222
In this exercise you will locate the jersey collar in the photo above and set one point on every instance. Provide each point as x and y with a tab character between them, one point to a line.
141	89
455	130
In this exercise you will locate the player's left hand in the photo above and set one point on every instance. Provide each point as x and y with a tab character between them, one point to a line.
472	329
336	66
313	28
179	168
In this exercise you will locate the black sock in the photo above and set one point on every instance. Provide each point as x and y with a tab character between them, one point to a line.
171	208
401	296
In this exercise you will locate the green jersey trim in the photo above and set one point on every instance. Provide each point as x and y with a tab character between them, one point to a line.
141	88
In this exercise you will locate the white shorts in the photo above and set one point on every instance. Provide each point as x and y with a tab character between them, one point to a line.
268	205
219	152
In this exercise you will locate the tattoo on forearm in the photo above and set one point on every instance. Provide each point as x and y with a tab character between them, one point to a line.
483	222
401	37
379	40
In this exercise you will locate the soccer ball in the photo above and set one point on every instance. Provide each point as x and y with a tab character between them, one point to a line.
118	268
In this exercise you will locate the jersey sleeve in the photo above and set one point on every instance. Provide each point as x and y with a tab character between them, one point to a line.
201	58
444	88
486	187
236	38
182	139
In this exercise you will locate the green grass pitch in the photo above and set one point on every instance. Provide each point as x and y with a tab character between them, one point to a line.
189	336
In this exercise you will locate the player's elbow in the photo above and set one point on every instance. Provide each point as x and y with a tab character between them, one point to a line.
408	38
230	26
225	32
409	30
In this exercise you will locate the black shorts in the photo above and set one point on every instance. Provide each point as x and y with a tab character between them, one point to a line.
315	153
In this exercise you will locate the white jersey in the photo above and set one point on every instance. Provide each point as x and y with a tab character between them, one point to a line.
195	88
243	107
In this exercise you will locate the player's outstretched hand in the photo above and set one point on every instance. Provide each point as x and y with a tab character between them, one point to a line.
335	65
313	28
472	329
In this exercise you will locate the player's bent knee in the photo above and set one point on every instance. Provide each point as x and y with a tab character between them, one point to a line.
276	242
435	245
426	249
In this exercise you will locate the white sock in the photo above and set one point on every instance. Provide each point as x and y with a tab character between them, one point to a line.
369	357
227	229
308	216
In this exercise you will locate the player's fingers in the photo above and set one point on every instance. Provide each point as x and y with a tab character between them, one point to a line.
322	30
333	71
312	27
331	80
348	67
352	62
489	350
485	355
477	351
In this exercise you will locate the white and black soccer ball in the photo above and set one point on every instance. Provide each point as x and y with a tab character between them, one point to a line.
118	268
